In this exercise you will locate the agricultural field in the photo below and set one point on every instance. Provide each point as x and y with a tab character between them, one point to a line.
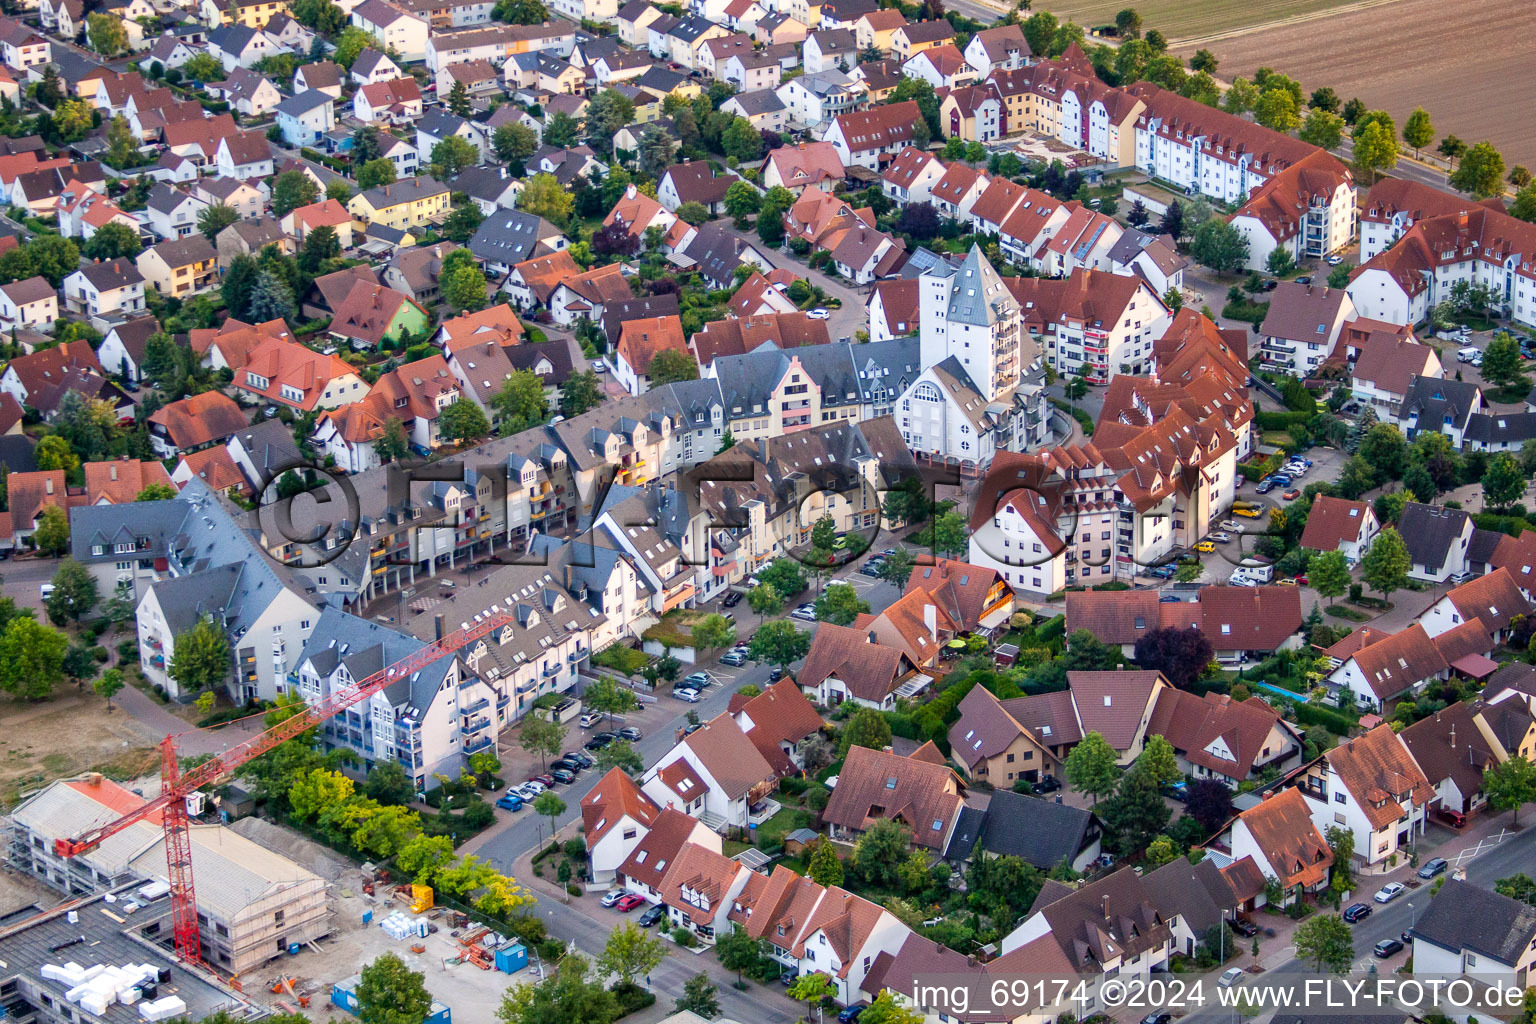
1400	55
1184	19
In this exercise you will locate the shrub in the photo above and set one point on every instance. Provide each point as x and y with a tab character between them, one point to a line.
551	949
817	799
683	937
632	998
574	890
1336	722
793	786
100	653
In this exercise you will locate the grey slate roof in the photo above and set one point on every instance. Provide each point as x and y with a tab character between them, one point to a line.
304	102
439	124
967	831
1438	401
1197	892
1429	531
1039	832
16	453
1493	428
759	101
270	447
509	236
1466	917
977	296
846	374
340	638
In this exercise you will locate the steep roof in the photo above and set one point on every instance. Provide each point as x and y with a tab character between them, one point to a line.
1430	531
615	796
1381	775
1333	521
1281	827
1113	703
1111	918
876	784
1495	598
200	419
642	340
881	126
871	671
1449	745
960	587
1206	727
647	863
119	481
732	759
1039	832
1249	618
1478	920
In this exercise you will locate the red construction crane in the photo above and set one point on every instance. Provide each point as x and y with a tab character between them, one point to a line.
176	785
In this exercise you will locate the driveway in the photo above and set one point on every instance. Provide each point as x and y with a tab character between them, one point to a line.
846	322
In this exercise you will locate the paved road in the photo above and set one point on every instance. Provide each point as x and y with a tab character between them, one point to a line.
846	321
1389	921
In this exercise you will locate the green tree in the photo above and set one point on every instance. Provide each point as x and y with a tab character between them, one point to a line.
316	790
320	245
1481	172
549	805
1040	32
1241	96
514	142
112	241
1128	23
608	111
1075	388
1328	574
1517	887
216	218
811	989
545	197
779	643
1204	60
897	568
270	299
79	663
840	604
1502	361
657	150
785	575
463	286
52	533
608	698
1161	850
1188	571
1386	451
31	658
742	200
700	996
950	533
867	728
393	443
542	736
741	141
1418	132
352	42
1323	128
388	784
291	190
54	452
108	35
1524	205
1159	762
765	601
74	593
1136	813
580	392
1385	566
452	155
825	867
885	1010
1326	942
1091	767
770	226
458	100
713	632
1375	148
463	421
1503	482
1220	246
109	684
521	402
630	953
622	755
389	992
1452	148
1277	109
561	130
1509	785
376	172
671	366
739	951
1338	277
201	658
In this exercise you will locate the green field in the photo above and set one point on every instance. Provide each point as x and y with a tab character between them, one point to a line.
1178	19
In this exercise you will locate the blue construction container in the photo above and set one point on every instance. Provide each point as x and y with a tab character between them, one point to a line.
511	959
344	997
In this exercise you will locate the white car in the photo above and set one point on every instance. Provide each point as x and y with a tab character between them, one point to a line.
686	696
1231	976
1335	260
820	313
1232	524
599	366
529	790
805	613
1390	892
613	896
590	719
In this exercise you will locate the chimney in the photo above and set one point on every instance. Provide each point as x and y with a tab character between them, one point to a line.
872	638
931	619
437	626
1106	906
48	485
114	472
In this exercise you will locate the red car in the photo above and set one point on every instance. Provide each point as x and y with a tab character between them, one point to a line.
629	903
547	780
1292	494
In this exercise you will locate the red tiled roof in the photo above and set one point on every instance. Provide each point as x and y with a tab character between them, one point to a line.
878	785
1281	827
200	419
615	796
119	481
1381	775
1333	521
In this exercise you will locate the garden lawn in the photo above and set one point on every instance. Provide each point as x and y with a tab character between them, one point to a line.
772	832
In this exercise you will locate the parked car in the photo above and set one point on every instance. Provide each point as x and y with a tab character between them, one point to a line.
599	741
734	658
805	613
819	314
542	779
1205	547
564	776
613	896
1455	819
1433	867
871	568
590	719
849	1014
529	791
1162	572
1178	791
1248	513
509	802
1231	976
697	680
584	759
1049	784
1221	538
652	915
568	764
1169	599
776	674
1239	481
731	599
1244	927
1158	1017
629	902
1334	259
686	696
1265	486
1389	892
1291	495
599	366
1304	279
1387	947
1232	524
630	733
1357	912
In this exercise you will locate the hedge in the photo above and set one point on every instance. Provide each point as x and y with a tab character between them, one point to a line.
1335	722
902	725
1051	629
1280	420
1512	525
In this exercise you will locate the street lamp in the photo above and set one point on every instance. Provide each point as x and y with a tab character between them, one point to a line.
1223	953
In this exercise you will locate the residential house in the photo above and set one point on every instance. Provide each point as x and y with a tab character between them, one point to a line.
1437	539
400	32
250	93
287	373
763	108
877	785
1485	935
909	40
1003	47
103	289
123	349
871	138
816	100
616	816
943	67
875	29
893	309
848	664
1440	406
641	341
1338	524
402	204
245	199
1371	786
910	177
319	76
694	182
327	213
241	46
304	117
244	156
371	67
1279	835
30	304
507	238
1302	326
1455	746
1385	365
372	312
1494	599
989	744
249	237
390	103
1215	737
1043	834
415	394
714	773
194	422
180	267
801	165
830	49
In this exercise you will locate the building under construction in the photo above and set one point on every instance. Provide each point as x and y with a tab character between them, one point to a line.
252	904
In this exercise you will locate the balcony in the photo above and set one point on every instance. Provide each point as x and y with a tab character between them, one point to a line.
475	746
550	672
483	702
475	725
